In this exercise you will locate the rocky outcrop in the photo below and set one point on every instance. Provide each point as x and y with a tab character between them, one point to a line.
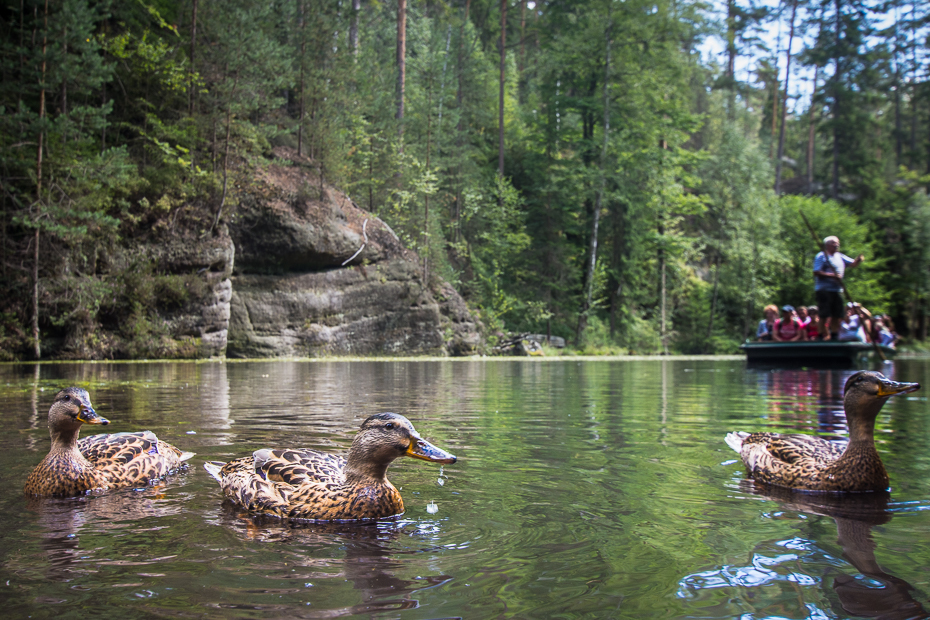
316	275
296	269
204	319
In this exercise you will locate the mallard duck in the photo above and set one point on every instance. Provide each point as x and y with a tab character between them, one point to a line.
74	466
807	463
314	486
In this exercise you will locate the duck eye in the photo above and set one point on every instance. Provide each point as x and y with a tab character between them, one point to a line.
389	425
66	398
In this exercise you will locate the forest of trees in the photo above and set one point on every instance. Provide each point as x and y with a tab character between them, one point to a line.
591	169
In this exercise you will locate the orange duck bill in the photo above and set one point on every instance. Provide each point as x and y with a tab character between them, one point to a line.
890	388
419	448
89	416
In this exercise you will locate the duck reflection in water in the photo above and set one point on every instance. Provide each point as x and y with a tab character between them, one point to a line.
802	575
370	561
883	595
62	521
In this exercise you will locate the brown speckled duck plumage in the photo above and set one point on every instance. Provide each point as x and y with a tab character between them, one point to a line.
74	466
314	486
808	463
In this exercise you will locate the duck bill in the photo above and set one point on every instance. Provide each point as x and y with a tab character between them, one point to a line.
421	449
89	416
890	388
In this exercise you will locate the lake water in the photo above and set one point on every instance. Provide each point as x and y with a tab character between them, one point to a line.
583	489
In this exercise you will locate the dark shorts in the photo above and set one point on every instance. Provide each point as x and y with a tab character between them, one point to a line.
830	304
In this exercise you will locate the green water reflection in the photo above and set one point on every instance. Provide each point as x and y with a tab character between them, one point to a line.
583	489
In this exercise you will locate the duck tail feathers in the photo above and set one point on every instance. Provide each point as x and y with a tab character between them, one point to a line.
213	468
185	456
735	440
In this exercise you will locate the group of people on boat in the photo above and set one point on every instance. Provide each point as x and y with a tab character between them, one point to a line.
831	318
804	324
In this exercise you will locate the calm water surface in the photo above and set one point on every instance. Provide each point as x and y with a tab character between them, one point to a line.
584	489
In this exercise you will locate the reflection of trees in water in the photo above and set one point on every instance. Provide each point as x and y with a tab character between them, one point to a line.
809	400
874	593
370	561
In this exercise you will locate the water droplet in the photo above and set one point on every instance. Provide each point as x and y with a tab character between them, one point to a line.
432	508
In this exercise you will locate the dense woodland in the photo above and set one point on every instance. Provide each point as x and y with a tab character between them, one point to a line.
628	175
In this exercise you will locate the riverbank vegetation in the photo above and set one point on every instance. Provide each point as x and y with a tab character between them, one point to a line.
585	169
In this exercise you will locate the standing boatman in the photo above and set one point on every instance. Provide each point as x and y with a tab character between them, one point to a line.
829	269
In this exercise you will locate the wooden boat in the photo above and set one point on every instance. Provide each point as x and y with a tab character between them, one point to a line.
812	353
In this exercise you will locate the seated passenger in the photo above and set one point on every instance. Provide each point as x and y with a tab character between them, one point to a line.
852	327
787	328
812	329
766	325
882	334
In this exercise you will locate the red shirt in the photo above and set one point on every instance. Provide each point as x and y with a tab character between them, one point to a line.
813	330
787	331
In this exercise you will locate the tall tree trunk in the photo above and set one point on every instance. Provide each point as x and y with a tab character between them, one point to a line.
401	65
810	136
459	96
595	220
300	104
500	120
713	304
775	97
662	291
896	62
837	74
522	35
731	59
36	341
914	88
219	210
442	86
898	131
371	174
928	146
521	61
64	91
213	147
353	27
103	129
300	80
619	218
429	126
784	107
835	182
190	84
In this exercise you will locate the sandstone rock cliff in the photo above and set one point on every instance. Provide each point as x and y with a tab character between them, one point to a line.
294	270
316	275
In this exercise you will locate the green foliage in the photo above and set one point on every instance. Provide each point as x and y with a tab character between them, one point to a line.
146	130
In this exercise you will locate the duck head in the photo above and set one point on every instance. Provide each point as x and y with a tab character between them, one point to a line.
866	392
384	437
70	409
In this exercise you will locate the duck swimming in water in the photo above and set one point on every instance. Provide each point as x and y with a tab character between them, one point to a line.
310	485
73	466
808	463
